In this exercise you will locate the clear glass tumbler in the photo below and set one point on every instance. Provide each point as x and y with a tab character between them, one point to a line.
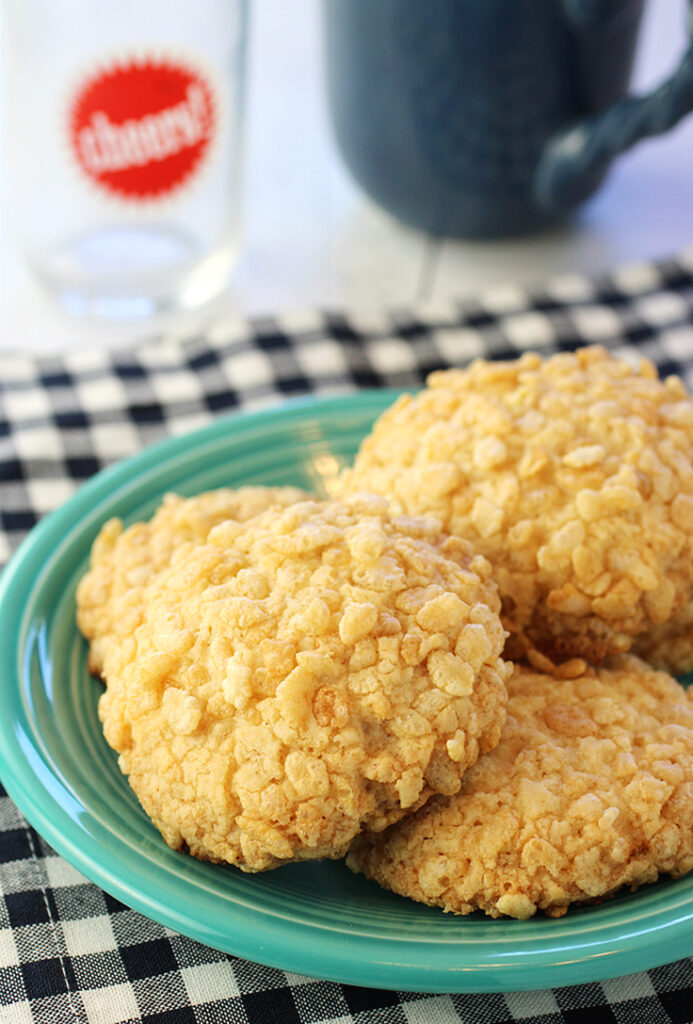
123	136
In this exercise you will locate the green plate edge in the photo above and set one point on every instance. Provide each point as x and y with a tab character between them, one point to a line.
430	952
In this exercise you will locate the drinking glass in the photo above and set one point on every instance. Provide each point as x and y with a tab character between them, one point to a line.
123	137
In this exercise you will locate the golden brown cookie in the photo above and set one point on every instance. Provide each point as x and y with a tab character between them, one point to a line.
590	789
301	676
574	477
670	646
109	596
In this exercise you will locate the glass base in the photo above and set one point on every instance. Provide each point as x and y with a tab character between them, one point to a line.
125	273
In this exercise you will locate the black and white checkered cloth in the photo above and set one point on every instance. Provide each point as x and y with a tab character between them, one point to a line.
69	952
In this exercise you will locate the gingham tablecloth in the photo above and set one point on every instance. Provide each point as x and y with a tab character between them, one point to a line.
68	951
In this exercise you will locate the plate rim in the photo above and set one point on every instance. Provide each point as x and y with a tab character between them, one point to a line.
23	576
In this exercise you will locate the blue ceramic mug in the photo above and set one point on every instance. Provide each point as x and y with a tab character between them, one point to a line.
482	118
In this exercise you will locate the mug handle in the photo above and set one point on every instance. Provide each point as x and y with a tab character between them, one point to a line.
589	13
574	159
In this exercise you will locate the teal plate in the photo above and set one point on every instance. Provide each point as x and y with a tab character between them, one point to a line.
316	919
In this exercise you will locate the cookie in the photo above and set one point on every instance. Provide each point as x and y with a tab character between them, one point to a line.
572	475
670	646
590	789
301	676
109	596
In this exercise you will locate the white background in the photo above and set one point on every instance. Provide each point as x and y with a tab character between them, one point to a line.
311	239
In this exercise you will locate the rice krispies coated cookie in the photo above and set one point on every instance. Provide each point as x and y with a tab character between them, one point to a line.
316	671
109	596
670	646
589	790
572	475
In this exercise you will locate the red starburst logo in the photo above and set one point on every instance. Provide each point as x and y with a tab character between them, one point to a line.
141	128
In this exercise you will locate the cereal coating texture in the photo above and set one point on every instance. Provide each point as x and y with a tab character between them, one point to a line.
109	596
310	673
572	475
590	789
670	646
